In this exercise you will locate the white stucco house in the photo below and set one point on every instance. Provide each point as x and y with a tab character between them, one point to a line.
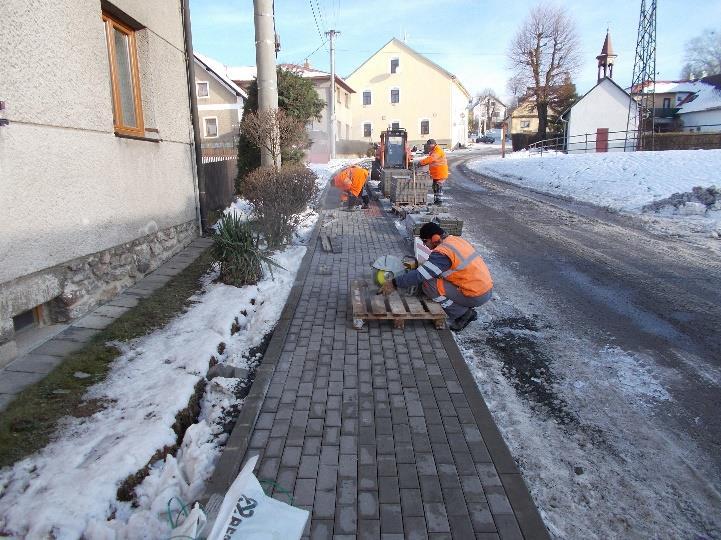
597	122
99	181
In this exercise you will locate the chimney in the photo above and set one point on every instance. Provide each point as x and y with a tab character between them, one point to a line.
306	64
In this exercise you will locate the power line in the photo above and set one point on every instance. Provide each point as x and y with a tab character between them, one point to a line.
320	14
315	19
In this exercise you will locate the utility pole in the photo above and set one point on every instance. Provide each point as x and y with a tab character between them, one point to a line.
265	43
331	106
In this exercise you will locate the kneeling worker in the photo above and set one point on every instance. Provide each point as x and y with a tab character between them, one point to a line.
454	276
351	181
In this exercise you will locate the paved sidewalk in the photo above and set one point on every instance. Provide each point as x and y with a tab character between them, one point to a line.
34	366
380	433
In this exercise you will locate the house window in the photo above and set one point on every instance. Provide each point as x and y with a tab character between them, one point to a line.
347	131
337	96
202	90
367	129
347	101
395	125
338	127
366	97
395	62
525	124
666	103
395	95
211	127
124	77
425	127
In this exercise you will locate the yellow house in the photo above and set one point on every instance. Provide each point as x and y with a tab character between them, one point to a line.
525	118
401	88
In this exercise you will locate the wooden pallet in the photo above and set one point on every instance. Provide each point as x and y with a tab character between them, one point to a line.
370	306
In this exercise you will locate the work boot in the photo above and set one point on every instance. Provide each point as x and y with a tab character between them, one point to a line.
464	320
365	202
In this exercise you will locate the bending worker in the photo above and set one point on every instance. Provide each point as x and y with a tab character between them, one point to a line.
352	181
437	167
454	276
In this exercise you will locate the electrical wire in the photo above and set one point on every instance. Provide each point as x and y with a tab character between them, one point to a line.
315	19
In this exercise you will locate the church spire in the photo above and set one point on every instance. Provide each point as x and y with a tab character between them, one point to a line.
606	58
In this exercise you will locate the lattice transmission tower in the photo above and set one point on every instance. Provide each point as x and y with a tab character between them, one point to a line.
641	110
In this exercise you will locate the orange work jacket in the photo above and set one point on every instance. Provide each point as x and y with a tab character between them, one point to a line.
437	164
468	272
351	179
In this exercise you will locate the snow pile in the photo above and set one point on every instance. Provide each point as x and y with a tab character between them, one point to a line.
69	489
618	180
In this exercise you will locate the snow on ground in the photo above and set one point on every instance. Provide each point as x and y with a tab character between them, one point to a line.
586	422
69	489
625	182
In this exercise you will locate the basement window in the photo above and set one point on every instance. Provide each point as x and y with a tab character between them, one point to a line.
26	319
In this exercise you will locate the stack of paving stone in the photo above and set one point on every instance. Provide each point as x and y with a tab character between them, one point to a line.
407	190
448	223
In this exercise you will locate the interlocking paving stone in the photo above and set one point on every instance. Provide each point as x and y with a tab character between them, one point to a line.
34	363
373	430
96	322
11	381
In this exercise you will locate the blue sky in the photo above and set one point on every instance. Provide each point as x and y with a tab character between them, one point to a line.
467	37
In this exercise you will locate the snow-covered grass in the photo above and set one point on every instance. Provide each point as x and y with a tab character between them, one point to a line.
618	180
69	489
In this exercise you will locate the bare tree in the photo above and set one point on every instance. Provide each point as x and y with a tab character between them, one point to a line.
543	53
702	55
273	130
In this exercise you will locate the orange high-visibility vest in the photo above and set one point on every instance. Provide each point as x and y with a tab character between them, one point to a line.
468	272
437	164
351	179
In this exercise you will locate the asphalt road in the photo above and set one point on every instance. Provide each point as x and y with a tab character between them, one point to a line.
616	282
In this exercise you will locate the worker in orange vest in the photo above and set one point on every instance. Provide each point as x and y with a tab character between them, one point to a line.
352	181
454	276
437	167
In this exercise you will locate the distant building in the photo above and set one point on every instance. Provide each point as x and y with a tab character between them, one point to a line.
483	108
318	130
220	102
597	122
524	118
400	87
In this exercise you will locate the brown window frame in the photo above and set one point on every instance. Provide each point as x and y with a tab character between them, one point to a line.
112	23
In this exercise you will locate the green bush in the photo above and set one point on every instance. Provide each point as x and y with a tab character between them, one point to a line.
236	249
279	197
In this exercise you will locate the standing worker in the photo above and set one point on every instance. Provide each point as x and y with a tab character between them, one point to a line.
437	167
454	276
352	181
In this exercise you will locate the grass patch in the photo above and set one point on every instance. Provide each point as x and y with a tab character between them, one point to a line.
29	422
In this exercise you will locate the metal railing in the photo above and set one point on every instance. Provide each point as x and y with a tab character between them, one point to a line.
704	135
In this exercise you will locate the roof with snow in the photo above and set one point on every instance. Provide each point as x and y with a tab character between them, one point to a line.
476	100
702	94
245	74
604	80
219	70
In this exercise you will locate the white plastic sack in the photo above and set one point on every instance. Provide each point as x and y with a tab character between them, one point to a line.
192	524
247	513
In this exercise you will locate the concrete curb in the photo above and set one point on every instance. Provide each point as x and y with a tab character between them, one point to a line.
230	461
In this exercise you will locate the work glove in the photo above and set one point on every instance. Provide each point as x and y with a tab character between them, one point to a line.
387	288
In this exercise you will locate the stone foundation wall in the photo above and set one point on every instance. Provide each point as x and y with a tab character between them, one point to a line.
73	288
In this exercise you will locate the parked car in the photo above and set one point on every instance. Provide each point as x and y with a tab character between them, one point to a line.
488	139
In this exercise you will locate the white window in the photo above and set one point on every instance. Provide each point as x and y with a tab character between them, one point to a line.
425	127
201	89
210	127
367	129
367	98
395	95
525	124
395	64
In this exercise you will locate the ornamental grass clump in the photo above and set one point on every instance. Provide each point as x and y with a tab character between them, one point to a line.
237	251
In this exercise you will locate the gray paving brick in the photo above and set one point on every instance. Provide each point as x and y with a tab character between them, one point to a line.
497	500
321	529
291	456
461	527
415	528
304	493
112	311
346	520
388	489
481	517
430	489
124	300
411	502
436	517
369	529
96	322
391	519
368	505
407	476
